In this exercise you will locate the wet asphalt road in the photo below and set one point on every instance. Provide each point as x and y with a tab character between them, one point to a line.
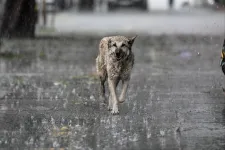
48	95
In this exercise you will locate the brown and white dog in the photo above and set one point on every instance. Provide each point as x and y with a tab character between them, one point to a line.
114	63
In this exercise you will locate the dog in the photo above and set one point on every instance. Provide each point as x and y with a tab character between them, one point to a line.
114	63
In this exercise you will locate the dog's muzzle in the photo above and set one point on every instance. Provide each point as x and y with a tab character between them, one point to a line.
119	55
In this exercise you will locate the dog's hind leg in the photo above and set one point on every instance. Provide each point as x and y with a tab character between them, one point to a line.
102	88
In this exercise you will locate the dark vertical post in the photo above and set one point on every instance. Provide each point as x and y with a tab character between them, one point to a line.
171	2
19	18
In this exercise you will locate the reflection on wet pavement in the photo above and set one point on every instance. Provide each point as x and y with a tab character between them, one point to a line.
48	96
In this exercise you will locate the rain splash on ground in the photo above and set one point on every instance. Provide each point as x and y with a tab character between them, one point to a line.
49	95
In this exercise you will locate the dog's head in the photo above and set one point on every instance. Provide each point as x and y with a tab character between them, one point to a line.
120	47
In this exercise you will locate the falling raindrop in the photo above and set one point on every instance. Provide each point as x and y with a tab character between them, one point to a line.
149	135
39	94
57	83
65	104
162	133
13	140
70	123
52	121
92	97
62	121
55	144
74	91
133	138
31	140
17	103
12	105
44	121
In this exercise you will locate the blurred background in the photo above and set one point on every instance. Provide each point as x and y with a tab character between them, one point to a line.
69	15
91	15
49	88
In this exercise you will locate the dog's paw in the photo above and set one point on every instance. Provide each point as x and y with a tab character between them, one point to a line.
115	110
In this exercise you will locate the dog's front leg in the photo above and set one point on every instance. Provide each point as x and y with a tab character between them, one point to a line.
113	97
125	84
110	106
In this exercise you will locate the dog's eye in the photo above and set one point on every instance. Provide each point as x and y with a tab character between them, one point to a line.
114	44
123	45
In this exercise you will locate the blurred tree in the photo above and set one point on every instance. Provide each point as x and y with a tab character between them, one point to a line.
19	18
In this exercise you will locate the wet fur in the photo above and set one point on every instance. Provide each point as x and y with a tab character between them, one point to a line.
114	68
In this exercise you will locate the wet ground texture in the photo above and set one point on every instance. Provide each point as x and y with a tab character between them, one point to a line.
49	95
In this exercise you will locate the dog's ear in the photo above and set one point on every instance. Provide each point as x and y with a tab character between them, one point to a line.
131	40
109	43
